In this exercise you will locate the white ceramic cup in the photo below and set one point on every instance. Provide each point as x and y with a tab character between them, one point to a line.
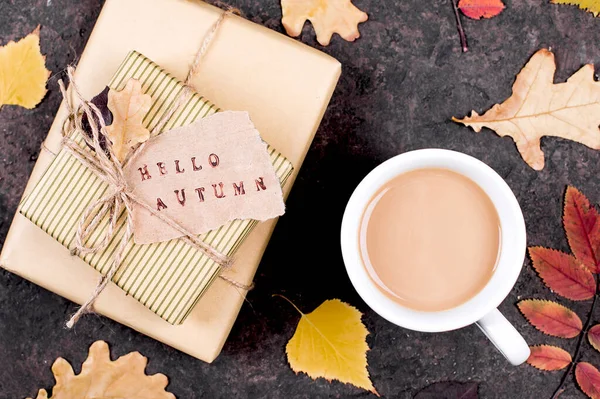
481	309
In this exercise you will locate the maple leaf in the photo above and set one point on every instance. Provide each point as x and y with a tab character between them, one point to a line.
327	16
23	72
588	378
582	224
102	378
449	389
538	107
548	357
563	274
477	9
128	106
594	337
330	342
551	318
592	6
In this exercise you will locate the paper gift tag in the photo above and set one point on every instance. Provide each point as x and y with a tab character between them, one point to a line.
202	176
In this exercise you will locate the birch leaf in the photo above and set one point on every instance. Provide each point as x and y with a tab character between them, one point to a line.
330	342
538	107
102	378
128	106
592	6
23	72
327	16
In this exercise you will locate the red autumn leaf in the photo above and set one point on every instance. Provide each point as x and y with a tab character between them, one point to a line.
582	224
548	358
594	336
563	274
551	318
588	378
477	9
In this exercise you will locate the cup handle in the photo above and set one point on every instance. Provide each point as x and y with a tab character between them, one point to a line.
505	337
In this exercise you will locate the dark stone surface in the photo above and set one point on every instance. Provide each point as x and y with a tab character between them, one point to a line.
402	81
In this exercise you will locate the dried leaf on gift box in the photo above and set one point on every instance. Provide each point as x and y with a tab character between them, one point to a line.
100	100
592	6
548	358
330	342
551	318
538	107
327	16
102	378
477	9
128	106
23	72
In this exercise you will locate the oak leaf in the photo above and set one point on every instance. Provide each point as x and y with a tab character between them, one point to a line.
23	73
594	337
102	378
330	342
548	357
477	9
327	16
538	107
551	318
563	273
588	378
582	225
128	106
592	6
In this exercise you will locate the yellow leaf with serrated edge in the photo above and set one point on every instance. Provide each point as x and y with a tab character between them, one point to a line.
128	106
331	343
102	378
538	107
23	73
327	16
592	6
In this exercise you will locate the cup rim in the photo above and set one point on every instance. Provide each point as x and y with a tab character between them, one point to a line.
512	251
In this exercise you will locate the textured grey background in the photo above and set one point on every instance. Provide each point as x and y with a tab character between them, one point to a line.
401	82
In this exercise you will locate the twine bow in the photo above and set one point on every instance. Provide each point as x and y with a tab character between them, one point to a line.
102	161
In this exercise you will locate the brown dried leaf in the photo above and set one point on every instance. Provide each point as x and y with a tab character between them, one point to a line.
327	16
102	378
538	107
128	106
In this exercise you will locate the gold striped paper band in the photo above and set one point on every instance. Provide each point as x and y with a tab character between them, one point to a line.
169	277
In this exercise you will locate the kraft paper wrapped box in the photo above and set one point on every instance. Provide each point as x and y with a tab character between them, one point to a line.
283	84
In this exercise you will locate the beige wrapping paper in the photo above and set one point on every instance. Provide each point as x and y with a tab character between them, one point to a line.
284	85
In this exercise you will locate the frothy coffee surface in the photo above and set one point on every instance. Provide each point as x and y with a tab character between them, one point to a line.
430	239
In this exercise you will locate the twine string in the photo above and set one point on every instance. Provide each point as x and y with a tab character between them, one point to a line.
101	160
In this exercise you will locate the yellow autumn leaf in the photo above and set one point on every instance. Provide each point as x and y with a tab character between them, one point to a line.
327	16
23	73
102	378
128	106
538	107
592	6
331	343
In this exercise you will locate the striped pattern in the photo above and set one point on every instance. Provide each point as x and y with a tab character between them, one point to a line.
170	277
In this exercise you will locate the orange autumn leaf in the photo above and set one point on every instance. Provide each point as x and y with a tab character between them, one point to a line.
102	378
477	9
551	318
563	274
594	337
548	358
588	378
538	107
582	224
327	16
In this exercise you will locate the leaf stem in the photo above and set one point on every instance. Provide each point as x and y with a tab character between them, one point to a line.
461	31
560	387
291	303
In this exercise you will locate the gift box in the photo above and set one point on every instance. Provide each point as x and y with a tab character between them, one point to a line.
167	277
283	84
